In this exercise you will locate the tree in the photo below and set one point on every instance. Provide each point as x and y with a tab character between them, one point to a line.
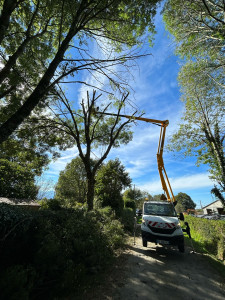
111	179
87	130
157	197
21	162
201	134
137	196
198	29
44	42
185	200
16	181
71	187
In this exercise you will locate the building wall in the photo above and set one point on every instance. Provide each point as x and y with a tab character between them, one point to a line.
215	207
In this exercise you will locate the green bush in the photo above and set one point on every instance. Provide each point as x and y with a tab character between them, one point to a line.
52	253
127	219
209	234
130	204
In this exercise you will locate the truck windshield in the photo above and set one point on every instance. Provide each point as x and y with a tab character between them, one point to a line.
159	209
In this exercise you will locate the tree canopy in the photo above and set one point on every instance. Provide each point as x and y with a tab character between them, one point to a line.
136	195
198	31
111	179
185	201
43	42
87	130
21	161
71	187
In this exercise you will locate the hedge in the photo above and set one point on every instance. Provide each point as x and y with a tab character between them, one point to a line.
209	234
49	254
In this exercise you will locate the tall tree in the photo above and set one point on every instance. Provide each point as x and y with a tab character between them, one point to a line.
198	30
202	132
87	130
43	42
111	179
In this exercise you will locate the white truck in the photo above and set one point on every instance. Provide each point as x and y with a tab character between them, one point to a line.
161	225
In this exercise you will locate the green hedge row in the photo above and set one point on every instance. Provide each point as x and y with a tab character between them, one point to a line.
53	253
209	234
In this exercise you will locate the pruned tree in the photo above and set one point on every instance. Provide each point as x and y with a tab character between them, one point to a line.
44	42
87	130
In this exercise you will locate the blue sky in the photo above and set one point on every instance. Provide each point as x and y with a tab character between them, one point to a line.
156	92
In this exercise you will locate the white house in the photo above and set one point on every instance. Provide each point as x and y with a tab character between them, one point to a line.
215	207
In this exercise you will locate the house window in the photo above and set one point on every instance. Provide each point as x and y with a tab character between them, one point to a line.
209	211
220	211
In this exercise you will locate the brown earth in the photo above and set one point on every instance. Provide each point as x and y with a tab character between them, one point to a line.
159	273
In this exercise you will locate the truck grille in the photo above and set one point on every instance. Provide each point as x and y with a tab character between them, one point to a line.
162	230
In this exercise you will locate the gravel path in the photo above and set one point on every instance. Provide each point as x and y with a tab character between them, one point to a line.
159	273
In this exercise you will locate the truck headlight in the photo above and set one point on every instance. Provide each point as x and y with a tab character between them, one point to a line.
178	226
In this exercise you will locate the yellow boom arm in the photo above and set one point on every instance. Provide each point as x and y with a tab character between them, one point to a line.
162	172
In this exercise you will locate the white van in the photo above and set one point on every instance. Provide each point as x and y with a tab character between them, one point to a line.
160	224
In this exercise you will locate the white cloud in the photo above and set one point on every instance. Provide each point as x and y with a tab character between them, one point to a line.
58	165
183	183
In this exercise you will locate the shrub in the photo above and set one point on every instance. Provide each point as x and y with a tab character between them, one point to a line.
127	219
130	204
210	234
52	253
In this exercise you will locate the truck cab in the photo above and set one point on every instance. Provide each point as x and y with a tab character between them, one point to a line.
161	225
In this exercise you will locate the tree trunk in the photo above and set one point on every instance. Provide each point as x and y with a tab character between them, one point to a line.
90	191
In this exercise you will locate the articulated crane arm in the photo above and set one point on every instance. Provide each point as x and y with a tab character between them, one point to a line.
162	172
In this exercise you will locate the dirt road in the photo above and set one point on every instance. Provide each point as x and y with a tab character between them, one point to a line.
160	273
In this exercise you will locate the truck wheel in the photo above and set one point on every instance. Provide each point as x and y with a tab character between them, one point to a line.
181	248
144	243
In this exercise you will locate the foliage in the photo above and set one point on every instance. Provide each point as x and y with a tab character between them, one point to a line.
127	219
53	204
21	161
157	197
130	204
51	42
203	125
209	234
57	251
111	179
197	27
185	200
72	183
136	195
16	181
86	127
179	208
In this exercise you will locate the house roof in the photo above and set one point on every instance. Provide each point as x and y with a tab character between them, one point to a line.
211	203
14	201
